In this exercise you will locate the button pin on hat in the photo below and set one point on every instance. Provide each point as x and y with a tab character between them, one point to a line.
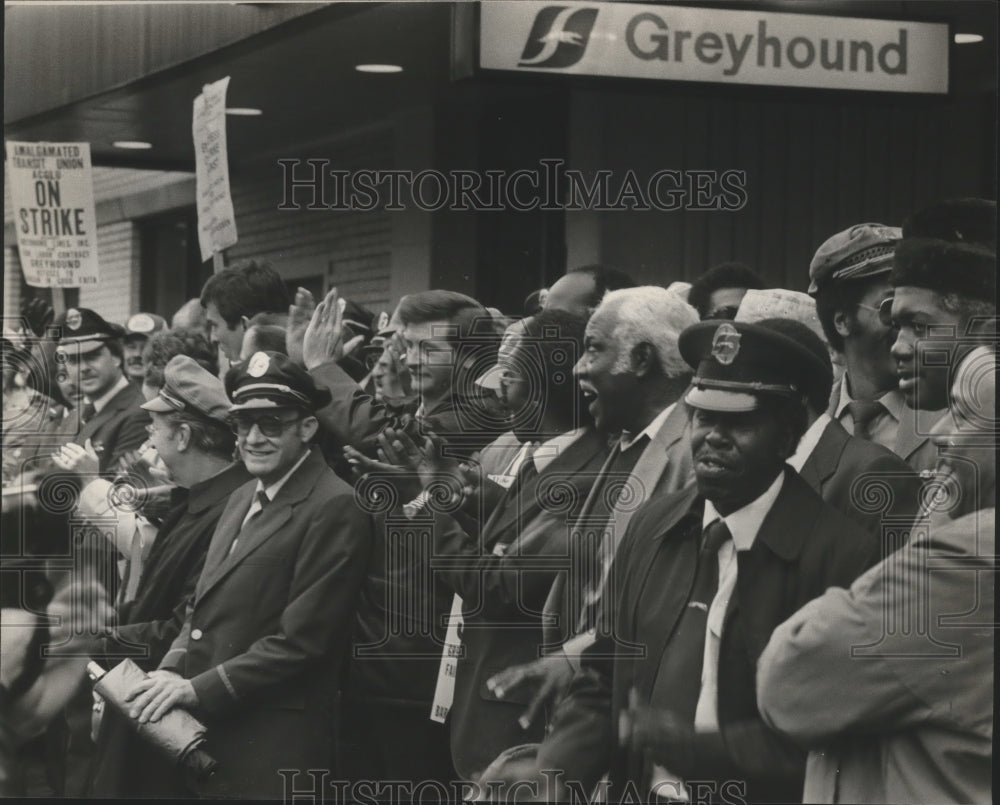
726	344
73	319
259	364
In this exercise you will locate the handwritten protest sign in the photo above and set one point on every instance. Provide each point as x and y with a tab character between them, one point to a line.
216	221
52	191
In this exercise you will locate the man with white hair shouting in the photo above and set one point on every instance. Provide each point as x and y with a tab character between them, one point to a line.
632	375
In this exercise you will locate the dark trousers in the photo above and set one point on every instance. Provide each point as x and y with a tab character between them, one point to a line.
381	740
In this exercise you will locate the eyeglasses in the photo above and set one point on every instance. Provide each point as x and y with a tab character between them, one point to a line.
884	312
269	425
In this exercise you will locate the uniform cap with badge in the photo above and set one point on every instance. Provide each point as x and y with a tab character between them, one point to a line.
84	330
144	325
737	363
270	380
189	388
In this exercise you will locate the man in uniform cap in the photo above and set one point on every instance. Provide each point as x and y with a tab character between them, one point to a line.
701	579
138	330
191	434
267	630
849	278
944	302
113	423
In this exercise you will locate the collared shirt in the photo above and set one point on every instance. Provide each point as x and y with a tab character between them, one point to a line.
105	398
809	441
270	491
885	426
627	439
743	524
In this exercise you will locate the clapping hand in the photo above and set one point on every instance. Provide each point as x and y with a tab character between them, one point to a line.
74	458
324	336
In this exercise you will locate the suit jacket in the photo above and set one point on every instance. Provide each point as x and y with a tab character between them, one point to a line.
504	581
803	547
665	466
912	443
120	426
861	479
122	765
912	719
267	631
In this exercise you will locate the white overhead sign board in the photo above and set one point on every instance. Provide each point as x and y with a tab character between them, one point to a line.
630	40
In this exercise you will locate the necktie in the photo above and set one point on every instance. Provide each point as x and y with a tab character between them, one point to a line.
261	502
525	473
87	412
678	679
863	412
611	482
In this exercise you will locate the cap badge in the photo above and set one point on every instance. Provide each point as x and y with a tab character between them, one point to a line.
73	319
383	321
258	365
141	323
726	344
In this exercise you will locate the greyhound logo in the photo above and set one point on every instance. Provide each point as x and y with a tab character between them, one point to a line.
558	37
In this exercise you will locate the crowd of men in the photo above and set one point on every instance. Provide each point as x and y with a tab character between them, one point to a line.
698	543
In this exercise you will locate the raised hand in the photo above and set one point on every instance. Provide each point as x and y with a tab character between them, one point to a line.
300	312
324	337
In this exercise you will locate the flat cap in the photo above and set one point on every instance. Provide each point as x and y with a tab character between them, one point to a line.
189	388
86	329
272	380
144	325
859	252
736	363
950	247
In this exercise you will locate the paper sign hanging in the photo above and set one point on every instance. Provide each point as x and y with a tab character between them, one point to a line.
216	221
52	191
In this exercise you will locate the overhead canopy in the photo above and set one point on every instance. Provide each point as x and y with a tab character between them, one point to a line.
106	73
131	72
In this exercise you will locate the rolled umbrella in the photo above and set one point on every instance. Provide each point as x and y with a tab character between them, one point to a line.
178	734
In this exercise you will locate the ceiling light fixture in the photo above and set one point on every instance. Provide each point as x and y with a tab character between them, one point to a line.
967	39
135	145
243	111
378	68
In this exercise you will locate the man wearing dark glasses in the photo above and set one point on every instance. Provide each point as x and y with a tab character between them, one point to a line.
268	627
849	278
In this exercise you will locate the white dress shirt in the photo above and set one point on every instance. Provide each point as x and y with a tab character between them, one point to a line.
743	524
269	492
105	398
809	441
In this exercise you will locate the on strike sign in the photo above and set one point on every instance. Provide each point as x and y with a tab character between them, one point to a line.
53	195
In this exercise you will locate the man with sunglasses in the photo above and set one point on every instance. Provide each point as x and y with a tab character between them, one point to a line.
191	434
849	279
269	625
